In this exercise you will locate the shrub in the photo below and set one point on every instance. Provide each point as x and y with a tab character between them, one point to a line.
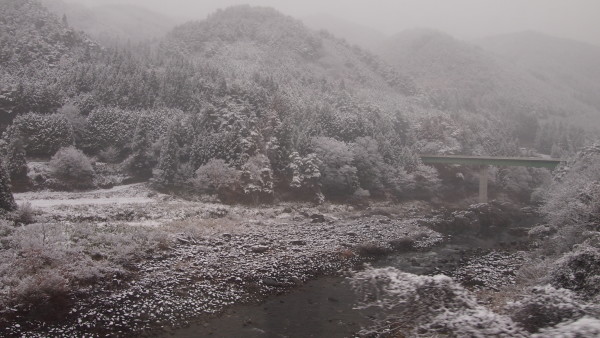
427	182
43	265
534	270
583	327
545	306
392	289
218	177
45	293
521	182
109	155
426	306
360	199
578	271
72	168
477	322
25	214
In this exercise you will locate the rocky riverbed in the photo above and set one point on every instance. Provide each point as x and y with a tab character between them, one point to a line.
218	256
327	307
198	258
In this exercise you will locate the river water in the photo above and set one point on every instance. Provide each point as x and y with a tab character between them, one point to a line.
321	308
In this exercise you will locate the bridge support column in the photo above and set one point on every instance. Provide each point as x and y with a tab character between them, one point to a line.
483	184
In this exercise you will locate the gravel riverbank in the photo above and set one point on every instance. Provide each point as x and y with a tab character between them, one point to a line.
258	252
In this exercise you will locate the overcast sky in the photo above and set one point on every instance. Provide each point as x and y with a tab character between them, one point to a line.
577	19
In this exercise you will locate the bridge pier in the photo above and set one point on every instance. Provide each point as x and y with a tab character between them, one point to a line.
483	184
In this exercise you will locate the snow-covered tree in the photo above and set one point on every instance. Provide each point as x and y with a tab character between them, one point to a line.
574	196
72	168
15	161
43	135
217	177
338	174
369	164
141	161
108	127
7	201
168	162
257	179
305	176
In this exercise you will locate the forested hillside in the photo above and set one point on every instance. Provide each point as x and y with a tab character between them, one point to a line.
248	86
36	51
459	76
569	66
272	106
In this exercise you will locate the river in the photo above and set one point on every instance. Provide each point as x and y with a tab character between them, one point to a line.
324	307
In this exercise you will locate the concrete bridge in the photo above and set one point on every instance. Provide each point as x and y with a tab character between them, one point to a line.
485	161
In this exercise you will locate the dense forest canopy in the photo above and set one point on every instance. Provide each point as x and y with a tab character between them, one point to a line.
250	82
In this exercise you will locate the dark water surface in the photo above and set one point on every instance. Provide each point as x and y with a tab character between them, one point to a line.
320	308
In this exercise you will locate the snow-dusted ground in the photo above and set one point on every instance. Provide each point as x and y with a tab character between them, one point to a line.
126	194
219	255
132	204
50	203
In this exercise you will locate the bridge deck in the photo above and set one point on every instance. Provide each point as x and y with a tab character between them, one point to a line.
535	162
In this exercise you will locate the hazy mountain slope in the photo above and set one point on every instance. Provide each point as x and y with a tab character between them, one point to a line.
309	68
317	84
254	39
570	66
354	33
463	76
113	22
31	34
327	86
35	49
238	72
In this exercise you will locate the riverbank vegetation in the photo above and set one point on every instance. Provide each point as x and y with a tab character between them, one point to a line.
556	290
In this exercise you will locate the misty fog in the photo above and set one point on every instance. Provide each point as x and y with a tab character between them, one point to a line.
318	168
469	19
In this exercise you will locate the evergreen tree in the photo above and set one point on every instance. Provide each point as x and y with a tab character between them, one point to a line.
257	179
166	170
7	201
141	160
306	176
15	161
